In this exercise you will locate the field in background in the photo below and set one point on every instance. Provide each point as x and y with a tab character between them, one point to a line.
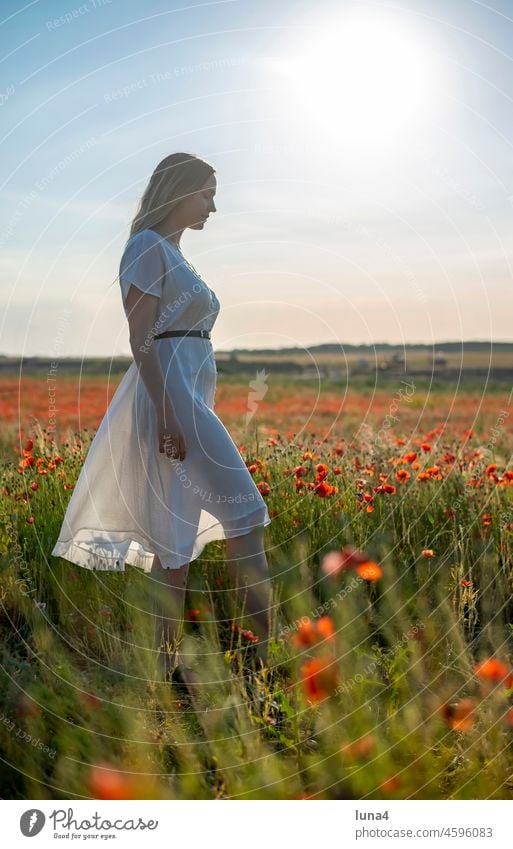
266	399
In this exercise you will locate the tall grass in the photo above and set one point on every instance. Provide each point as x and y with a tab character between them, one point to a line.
386	702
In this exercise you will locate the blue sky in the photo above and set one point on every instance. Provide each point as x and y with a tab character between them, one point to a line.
363	154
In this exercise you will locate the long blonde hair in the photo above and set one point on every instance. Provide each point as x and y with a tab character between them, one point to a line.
175	178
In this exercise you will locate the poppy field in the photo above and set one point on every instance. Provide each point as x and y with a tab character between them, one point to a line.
390	671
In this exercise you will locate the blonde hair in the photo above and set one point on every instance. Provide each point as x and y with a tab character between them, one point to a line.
175	178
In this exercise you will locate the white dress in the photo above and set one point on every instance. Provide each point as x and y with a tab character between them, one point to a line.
130	501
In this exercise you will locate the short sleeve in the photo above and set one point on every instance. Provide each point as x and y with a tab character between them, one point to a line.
143	264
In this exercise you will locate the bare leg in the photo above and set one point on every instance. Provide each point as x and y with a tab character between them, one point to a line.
168	589
249	572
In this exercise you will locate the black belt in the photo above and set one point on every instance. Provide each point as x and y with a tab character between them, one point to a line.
205	334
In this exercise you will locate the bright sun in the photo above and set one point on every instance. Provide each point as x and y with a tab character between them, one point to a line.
363	80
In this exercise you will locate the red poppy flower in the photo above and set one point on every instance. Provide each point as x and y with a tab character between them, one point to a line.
319	678
459	716
193	614
362	748
369	571
323	490
105	781
390	785
340	561
310	633
91	700
493	671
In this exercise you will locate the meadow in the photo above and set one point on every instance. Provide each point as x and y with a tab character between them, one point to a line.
390	675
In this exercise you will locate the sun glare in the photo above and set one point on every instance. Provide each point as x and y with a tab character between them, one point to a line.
364	80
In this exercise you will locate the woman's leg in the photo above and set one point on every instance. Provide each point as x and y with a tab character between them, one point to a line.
249	572
168	592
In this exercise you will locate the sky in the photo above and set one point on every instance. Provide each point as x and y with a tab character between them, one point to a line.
362	151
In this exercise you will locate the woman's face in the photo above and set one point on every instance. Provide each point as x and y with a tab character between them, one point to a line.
195	209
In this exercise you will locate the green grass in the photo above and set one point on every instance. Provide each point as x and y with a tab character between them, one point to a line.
68	633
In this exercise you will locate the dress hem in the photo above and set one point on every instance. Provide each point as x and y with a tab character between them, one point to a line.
112	555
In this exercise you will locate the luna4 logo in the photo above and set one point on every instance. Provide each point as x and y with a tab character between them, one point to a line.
31	822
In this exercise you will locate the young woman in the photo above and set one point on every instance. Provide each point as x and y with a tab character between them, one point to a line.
162	476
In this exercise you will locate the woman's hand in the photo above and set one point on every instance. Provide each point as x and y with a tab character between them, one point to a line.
171	438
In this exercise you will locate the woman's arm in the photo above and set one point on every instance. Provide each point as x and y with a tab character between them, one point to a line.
141	313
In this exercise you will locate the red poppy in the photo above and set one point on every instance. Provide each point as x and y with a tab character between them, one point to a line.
459	716
247	634
323	490
390	785
105	781
27	707
319	678
362	748
340	561
369	571
91	700
193	614
493	671
310	633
